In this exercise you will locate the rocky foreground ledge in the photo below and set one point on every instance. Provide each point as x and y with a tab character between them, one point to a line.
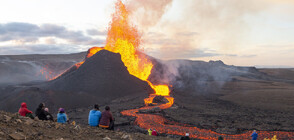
13	126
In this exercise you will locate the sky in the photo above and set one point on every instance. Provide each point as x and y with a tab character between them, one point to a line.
238	32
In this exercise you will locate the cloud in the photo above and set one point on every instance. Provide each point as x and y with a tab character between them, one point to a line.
27	32
182	53
30	38
96	32
39	49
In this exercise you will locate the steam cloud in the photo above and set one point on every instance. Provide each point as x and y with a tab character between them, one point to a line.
196	24
148	13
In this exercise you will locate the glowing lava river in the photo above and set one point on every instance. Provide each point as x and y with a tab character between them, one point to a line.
124	39
165	126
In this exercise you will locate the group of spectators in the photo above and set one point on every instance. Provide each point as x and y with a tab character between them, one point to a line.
96	118
42	113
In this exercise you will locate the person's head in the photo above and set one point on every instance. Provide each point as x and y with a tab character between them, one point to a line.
107	108
24	105
41	105
254	131
61	110
154	130
187	134
46	109
96	106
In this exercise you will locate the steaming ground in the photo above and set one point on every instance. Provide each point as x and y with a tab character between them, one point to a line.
211	95
25	68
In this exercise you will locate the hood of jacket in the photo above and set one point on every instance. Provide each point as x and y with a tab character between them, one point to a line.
23	105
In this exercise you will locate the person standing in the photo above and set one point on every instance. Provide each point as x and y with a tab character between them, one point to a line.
150	131
23	111
107	120
254	135
94	116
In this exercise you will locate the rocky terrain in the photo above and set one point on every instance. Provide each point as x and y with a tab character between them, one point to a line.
210	95
13	126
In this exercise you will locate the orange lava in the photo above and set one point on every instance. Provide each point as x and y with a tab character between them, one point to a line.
124	39
47	73
165	126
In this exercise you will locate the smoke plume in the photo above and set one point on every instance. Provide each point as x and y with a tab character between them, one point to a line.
148	13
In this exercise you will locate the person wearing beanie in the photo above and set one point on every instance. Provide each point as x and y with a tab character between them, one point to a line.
48	115
61	116
94	116
186	137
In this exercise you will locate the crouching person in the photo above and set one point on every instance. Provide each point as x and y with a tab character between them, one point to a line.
61	116
23	111
94	116
107	120
48	115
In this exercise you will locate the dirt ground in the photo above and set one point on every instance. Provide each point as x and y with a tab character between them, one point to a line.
16	127
243	104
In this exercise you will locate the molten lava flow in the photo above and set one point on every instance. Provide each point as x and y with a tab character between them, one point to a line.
165	126
46	72
124	39
93	51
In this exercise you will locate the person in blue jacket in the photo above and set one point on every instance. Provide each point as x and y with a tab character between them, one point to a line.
254	135
94	116
61	116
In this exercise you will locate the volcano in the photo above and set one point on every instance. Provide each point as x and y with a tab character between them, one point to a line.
101	79
103	75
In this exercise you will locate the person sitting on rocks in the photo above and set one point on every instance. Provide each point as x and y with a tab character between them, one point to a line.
48	115
186	137
23	111
40	112
154	133
61	116
94	116
107	120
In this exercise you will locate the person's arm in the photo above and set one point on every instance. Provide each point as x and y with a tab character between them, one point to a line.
66	118
111	117
27	111
51	117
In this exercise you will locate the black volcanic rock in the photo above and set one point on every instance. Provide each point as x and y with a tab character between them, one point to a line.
101	79
103	75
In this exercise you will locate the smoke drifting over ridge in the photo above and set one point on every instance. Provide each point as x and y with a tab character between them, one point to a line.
198	28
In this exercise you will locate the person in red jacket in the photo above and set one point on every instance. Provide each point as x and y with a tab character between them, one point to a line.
23	111
154	133
106	120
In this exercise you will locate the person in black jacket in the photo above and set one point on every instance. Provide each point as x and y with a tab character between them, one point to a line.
40	112
48	115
